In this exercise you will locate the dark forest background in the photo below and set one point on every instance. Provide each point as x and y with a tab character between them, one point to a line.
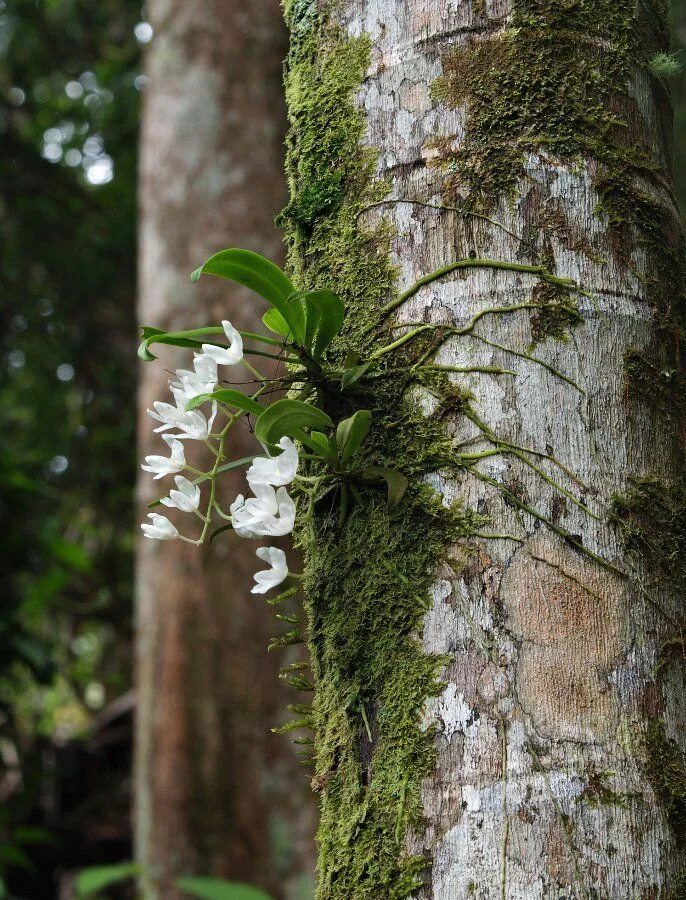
70	90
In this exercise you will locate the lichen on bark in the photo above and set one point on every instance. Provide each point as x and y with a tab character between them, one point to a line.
556	80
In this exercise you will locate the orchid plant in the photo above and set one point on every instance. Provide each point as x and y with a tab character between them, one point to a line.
290	430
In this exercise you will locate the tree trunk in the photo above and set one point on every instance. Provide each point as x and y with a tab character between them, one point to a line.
217	793
528	133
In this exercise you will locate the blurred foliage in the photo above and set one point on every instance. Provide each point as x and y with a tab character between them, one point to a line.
69	98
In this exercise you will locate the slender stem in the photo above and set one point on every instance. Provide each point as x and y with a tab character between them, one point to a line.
401	340
531	358
219	458
252	370
561	532
457	209
263	338
540	271
494	370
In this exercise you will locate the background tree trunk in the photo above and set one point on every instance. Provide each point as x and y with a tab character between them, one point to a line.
558	767
216	792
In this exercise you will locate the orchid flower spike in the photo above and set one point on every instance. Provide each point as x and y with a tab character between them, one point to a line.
275	470
166	465
161	528
226	356
187	498
270	578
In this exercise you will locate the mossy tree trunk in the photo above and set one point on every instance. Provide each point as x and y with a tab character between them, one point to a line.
216	792
508	134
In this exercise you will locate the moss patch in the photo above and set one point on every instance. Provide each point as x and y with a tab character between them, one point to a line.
652	515
556	81
666	770
331	176
368	591
369	580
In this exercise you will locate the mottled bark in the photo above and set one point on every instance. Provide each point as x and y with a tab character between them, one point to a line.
216	792
543	784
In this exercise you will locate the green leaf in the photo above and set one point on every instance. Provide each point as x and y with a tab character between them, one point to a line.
13	856
216	889
352	375
351	432
30	835
321	442
90	881
228	397
190	338
288	417
396	482
261	276
275	322
324	317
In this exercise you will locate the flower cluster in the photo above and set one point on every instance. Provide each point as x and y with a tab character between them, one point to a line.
270	512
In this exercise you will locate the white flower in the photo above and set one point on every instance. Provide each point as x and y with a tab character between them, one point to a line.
270	578
191	424
202	381
226	356
275	470
269	514
166	465
187	498
161	528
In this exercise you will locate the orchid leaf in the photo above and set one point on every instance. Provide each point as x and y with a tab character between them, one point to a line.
288	417
351	432
263	277
228	397
396	482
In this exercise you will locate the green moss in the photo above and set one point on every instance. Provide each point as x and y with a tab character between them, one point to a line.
652	516
369	579
665	65
598	791
666	770
546	82
661	386
368	589
555	80
330	174
559	313
677	890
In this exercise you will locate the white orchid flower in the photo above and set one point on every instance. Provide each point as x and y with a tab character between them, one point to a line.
166	465
275	470
270	578
269	513
191	424
202	381
226	356
161	528
187	498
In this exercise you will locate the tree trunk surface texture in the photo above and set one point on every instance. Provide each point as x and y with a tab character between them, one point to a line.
545	782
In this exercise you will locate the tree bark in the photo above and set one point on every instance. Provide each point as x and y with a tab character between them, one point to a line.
560	727
216	793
